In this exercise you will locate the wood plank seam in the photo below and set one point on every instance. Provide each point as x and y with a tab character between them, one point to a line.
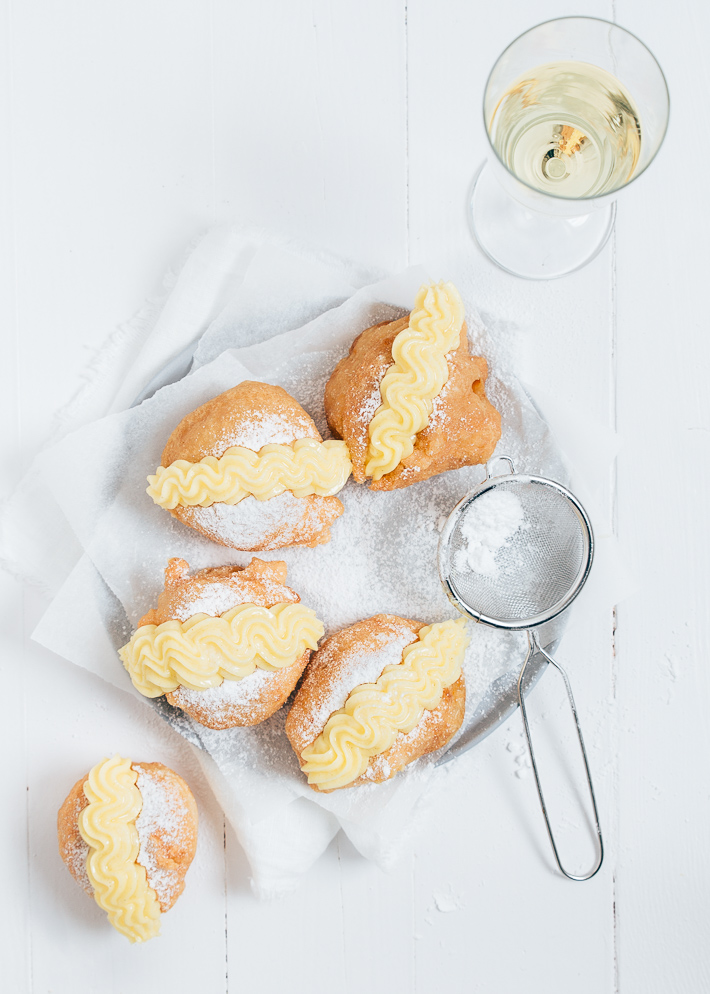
613	498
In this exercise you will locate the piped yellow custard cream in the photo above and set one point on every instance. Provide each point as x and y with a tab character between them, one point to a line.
204	651
305	467
416	378
374	713
108	826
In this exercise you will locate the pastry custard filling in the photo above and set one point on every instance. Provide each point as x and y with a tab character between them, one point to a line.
204	651
374	713
420	370
108	826
305	467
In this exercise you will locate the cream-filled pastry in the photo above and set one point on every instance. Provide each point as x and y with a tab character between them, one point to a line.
377	696
250	470
128	833
226	644
409	400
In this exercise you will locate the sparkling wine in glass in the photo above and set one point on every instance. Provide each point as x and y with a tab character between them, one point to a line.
575	109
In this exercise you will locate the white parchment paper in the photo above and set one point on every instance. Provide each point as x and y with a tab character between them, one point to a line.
382	558
81	524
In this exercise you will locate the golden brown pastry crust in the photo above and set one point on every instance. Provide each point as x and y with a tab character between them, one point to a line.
306	718
463	429
251	414
174	854
213	591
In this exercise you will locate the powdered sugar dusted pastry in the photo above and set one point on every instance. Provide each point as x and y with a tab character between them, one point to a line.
377	696
128	833
409	400
227	645
249	470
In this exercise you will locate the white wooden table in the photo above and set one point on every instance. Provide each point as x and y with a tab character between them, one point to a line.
127	130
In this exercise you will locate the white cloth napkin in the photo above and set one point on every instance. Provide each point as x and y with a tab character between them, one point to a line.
81	522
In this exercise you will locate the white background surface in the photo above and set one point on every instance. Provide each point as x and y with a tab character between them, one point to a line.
129	129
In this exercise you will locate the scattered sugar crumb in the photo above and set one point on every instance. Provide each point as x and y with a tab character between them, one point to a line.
447	903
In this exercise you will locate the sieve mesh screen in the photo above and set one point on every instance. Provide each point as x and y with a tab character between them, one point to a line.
536	569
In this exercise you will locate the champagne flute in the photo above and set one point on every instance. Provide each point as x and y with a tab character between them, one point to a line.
575	110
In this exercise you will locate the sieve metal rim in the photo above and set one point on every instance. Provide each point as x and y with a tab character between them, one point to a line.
490	483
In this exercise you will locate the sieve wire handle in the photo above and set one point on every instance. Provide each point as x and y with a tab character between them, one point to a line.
493	461
533	648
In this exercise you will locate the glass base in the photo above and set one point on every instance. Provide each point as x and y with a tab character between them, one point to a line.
531	244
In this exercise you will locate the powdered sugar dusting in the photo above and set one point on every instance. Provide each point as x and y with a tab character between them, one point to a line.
245	693
364	665
264	429
423	728
160	829
439	416
218	597
379	768
251	521
369	406
76	853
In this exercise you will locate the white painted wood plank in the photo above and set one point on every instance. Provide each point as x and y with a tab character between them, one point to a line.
15	922
310	140
664	418
15	915
112	155
489	905
309	122
102	196
513	923
379	922
293	942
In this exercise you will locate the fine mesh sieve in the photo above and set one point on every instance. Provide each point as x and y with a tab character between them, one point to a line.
528	575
